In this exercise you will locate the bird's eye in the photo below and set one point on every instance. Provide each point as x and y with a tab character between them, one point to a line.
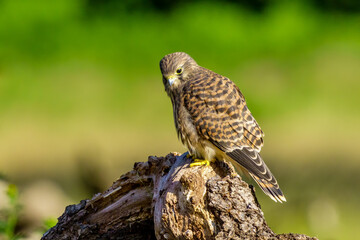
179	71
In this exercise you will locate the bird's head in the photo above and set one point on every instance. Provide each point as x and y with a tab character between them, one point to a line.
175	69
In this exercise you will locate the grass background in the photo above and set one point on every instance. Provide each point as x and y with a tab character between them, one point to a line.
81	99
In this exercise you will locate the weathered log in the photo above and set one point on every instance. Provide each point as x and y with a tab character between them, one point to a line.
164	198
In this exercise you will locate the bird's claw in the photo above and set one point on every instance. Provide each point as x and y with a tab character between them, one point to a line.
200	162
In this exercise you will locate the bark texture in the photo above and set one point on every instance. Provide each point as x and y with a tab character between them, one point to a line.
164	198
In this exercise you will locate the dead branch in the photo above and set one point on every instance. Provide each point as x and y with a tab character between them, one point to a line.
164	198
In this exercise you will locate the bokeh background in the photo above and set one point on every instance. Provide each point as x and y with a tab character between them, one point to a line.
81	98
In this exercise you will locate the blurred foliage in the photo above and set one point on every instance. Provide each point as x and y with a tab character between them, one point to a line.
113	6
10	215
81	97
49	223
60	33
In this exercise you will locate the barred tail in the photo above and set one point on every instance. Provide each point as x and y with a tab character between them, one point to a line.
270	189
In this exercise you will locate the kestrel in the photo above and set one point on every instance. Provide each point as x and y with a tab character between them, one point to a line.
213	121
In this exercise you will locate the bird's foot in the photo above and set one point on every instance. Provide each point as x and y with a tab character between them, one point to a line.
189	156
200	162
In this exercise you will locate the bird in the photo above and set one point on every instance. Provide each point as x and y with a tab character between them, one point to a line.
213	121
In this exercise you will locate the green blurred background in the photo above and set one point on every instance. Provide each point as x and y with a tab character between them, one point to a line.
81	98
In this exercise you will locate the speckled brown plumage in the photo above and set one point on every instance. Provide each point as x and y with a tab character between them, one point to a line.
213	120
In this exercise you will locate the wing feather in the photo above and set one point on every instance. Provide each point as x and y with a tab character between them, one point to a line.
220	115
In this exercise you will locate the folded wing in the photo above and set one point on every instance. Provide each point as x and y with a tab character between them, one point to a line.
220	115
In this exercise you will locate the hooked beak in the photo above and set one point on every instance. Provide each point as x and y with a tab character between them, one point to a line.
171	80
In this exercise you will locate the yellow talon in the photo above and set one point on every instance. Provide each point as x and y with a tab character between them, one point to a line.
200	162
188	155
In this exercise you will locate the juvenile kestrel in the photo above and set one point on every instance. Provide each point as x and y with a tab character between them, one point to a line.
213	121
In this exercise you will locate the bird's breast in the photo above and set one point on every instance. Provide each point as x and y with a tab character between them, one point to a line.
186	129
198	147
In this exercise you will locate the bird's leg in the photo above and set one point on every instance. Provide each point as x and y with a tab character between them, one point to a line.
200	162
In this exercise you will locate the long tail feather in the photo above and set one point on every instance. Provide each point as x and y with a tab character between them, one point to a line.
251	160
273	191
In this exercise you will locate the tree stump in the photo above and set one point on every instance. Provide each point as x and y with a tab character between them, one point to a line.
164	198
